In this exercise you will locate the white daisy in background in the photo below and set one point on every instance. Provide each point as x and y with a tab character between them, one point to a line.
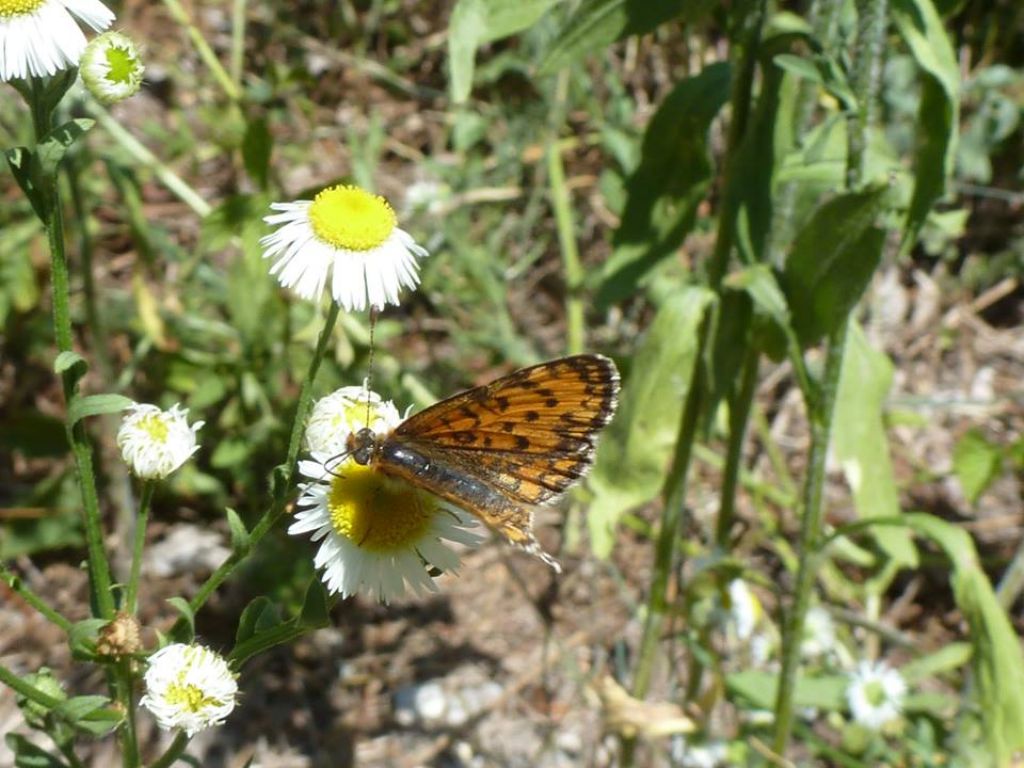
41	37
379	534
189	687
875	694
345	411
111	68
819	638
153	442
744	609
349	233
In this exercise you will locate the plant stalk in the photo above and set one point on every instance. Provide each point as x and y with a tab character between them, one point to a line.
141	520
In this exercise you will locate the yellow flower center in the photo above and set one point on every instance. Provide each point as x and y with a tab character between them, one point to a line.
190	697
9	8
351	218
154	426
376	513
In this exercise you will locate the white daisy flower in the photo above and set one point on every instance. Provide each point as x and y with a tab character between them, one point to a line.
819	638
41	37
154	443
744	609
378	534
189	687
875	694
349	233
111	68
343	412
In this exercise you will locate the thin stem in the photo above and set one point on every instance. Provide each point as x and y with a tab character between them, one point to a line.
739	413
173	752
131	598
180	15
274	512
18	585
147	159
27	690
237	41
570	252
125	695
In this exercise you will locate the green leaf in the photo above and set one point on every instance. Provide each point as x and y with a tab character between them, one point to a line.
186	631
671	181
631	458
976	462
476	22
759	283
95	405
947	658
257	145
28	755
997	661
939	113
68	360
82	637
826	692
833	258
239	534
25	169
250	620
596	23
860	444
315	608
51	150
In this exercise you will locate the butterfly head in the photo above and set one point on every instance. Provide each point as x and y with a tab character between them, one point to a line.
363	445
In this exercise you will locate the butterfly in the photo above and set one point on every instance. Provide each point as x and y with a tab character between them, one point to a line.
500	450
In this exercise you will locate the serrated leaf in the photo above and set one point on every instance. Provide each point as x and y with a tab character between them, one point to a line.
631	458
596	23
477	22
976	462
833	258
861	446
239	533
997	660
96	405
938	118
663	193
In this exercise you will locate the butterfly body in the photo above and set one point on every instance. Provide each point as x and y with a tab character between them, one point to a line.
502	449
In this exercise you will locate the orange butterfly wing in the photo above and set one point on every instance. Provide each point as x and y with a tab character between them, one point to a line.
517	442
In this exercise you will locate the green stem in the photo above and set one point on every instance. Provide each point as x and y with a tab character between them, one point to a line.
867	71
173	752
27	690
141	520
14	582
739	415
180	15
125	695
237	41
276	509
99	570
570	252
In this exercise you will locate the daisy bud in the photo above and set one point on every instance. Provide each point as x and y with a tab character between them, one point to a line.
111	68
120	637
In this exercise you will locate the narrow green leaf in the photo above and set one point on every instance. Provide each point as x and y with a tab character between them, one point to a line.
79	707
596	23
976	462
248	621
476	22
28	755
760	284
239	533
82	637
23	165
860	444
95	405
825	692
632	455
997	661
833	258
946	659
939	113
668	185
67	360
187	630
